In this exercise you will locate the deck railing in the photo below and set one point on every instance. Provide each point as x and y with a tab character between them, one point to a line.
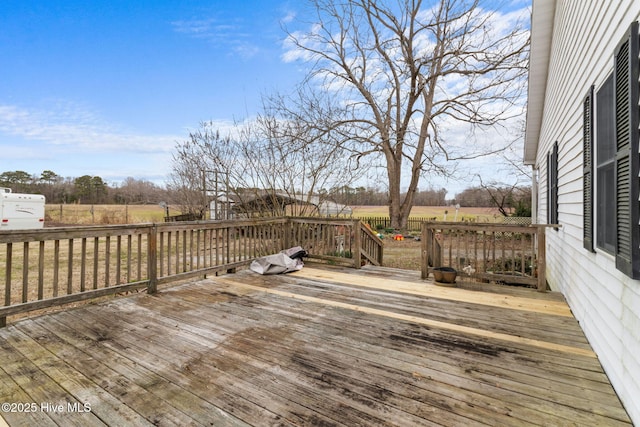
50	267
510	254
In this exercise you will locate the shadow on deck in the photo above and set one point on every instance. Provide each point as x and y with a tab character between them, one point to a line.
320	347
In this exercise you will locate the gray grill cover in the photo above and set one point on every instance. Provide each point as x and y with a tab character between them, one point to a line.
283	262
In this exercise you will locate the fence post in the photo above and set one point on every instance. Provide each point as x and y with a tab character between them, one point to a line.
152	259
542	259
357	255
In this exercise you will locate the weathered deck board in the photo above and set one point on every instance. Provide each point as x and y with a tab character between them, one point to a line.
481	347
370	347
553	329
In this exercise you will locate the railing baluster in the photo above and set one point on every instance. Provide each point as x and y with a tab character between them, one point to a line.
41	270
169	253
184	251
56	267
217	246
129	258
107	259
70	267
152	258
118	259
96	254
25	272
83	264
140	257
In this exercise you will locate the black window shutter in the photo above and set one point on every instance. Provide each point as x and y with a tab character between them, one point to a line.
555	183
587	173
552	185
626	87
549	185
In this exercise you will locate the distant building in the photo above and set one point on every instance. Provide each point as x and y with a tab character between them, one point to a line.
275	203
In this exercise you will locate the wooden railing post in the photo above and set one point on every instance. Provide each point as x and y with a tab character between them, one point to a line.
424	263
542	259
288	231
357	255
152	259
7	282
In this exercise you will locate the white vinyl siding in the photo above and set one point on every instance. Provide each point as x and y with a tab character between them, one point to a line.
604	300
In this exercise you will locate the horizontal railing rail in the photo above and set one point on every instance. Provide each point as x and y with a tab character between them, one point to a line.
503	253
384	222
55	266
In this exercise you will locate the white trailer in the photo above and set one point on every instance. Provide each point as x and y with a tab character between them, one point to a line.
21	211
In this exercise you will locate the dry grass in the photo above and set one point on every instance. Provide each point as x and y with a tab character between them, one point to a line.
402	253
135	214
102	214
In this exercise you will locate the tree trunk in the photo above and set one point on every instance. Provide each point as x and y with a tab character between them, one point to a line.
399	209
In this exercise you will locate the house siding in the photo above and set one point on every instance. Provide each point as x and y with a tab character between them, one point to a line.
605	301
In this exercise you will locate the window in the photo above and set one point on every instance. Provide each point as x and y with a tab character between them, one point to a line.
615	143
605	168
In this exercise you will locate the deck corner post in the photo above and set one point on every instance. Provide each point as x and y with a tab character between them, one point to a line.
424	253
152	260
357	250
542	259
3	322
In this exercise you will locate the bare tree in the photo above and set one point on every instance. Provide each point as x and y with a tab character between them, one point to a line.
185	181
138	191
267	163
511	193
408	75
509	199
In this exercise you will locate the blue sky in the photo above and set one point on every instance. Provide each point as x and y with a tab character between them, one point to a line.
107	87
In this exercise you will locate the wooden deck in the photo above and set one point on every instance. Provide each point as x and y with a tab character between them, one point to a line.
320	347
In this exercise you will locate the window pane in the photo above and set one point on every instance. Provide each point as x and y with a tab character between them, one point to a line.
606	208
605	127
605	171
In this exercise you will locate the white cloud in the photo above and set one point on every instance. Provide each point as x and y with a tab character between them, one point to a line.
227	34
289	17
195	28
65	124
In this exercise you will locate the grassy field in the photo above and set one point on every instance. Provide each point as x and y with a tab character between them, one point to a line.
133	214
103	214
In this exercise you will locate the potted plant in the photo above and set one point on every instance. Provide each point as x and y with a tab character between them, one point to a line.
445	275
